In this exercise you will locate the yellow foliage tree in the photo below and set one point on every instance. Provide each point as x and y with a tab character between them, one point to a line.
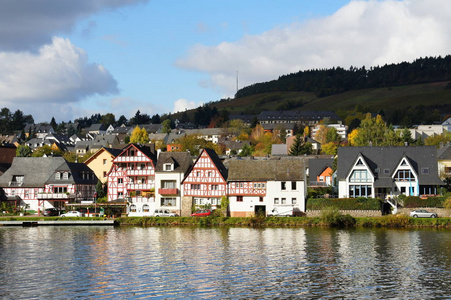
139	136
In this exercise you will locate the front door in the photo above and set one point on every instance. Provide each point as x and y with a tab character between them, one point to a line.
260	210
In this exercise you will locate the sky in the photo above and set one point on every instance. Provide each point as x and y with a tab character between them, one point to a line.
73	59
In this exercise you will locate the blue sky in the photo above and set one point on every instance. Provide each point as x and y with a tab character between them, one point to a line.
71	59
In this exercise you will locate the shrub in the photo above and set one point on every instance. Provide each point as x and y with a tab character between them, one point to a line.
414	201
344	204
332	217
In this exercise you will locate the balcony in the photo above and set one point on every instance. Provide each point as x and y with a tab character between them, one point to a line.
138	172
166	192
53	196
139	186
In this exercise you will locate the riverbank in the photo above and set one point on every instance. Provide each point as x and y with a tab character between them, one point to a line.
390	221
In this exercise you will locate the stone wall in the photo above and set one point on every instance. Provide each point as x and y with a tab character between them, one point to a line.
441	212
354	213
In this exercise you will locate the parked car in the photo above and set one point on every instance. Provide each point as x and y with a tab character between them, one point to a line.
201	213
72	213
421	213
164	213
51	212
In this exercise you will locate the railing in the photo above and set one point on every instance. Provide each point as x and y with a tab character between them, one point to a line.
131	159
138	172
319	183
55	196
139	186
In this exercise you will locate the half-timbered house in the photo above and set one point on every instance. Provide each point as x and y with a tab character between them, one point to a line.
206	182
258	186
47	182
132	177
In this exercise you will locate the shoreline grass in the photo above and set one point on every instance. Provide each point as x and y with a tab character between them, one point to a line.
339	221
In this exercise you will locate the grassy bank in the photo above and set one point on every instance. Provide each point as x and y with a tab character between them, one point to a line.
325	220
397	221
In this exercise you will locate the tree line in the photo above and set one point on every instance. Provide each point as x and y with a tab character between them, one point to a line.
325	82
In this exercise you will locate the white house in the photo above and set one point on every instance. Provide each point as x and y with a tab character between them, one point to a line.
387	171
261	185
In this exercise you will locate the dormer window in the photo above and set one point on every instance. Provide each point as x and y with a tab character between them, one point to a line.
65	175
168	167
57	175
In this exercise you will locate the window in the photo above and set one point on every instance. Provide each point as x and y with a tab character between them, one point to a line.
145	208
195	186
168	167
360	176
104	173
386	171
120	180
360	191
27	193
58	175
293	185
321	179
214	187
170	201
284	201
104	161
241	184
239	198
447	170
60	189
209	174
133	208
294	201
261	199
276	200
65	175
359	163
263	185
425	171
404	175
198	174
120	194
283	185
168	184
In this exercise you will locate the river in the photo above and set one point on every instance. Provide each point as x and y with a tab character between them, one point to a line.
223	263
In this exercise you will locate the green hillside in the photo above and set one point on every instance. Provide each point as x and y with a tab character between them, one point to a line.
428	96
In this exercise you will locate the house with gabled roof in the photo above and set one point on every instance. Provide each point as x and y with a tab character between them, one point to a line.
132	177
97	129
101	162
444	161
171	169
320	172
261	185
206	181
387	171
47	182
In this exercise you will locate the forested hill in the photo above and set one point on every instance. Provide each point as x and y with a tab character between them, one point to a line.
326	82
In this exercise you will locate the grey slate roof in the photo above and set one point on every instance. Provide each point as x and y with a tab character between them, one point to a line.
36	170
284	169
182	161
296	115
444	152
380	159
318	165
79	174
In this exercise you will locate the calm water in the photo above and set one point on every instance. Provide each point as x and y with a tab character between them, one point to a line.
226	263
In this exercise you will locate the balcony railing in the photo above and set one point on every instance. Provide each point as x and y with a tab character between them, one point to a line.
139	186
138	172
172	191
55	196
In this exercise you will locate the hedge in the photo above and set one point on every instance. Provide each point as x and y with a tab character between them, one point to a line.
414	201
344	203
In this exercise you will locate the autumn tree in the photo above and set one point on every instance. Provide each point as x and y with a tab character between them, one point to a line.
23	151
166	126
374	131
139	136
193	143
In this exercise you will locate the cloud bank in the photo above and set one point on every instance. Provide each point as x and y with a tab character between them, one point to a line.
362	33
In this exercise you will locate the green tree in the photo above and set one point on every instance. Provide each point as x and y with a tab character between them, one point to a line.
300	147
193	143
166	126
41	151
108	119
23	151
374	131
53	123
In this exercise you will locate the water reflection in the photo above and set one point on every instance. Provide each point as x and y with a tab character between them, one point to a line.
238	263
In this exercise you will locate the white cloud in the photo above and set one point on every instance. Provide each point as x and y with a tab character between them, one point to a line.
58	73
361	33
183	104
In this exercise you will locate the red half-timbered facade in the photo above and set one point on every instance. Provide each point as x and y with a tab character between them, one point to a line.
206	181
132	177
